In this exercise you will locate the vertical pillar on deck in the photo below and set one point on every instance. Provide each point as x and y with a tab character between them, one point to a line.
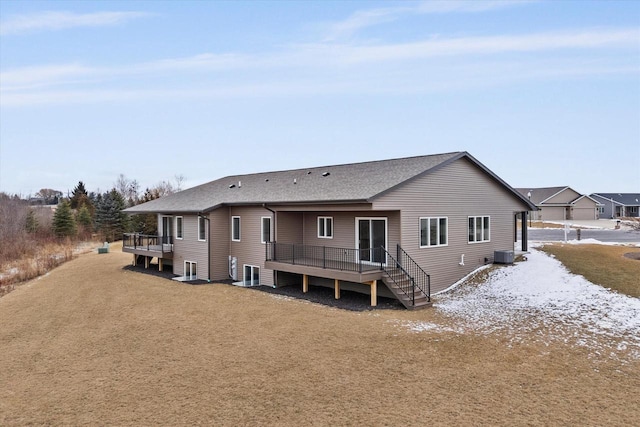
305	283
146	262
134	259
159	264
525	236
336	285
374	293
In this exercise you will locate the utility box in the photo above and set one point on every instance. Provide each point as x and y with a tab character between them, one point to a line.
503	257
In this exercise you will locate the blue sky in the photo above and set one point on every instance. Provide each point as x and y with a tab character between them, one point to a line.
542	93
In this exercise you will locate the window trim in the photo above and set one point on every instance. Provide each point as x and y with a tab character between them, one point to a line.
180	231
324	220
482	229
233	228
184	274
428	219
202	228
262	229
253	268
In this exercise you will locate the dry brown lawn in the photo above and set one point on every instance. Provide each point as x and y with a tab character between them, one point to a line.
93	344
602	264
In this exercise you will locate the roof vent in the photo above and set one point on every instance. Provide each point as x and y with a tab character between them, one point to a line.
295	181
232	186
326	174
308	172
239	184
266	180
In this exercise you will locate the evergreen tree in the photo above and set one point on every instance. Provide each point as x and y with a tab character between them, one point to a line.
146	223
63	222
110	218
31	222
79	195
84	219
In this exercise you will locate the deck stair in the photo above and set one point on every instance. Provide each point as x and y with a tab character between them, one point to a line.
412	290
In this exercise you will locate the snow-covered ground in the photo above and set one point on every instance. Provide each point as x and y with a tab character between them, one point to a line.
540	300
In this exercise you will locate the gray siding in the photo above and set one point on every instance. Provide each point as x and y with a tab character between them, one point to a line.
289	227
456	191
552	213
249	250
565	196
189	248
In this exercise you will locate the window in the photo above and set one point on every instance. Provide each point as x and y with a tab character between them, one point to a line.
479	229
633	209
601	209
178	227
266	229
325	227
235	228
251	275
190	271
433	232
202	229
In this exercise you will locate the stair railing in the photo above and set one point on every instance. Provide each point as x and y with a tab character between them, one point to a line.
421	278
396	273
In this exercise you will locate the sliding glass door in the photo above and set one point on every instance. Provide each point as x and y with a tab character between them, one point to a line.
371	235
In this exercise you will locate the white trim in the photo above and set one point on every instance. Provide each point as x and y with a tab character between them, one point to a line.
262	228
181	218
184	272
239	229
324	220
386	234
244	279
475	228
204	223
429	218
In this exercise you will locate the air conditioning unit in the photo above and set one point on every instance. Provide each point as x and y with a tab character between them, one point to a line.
503	257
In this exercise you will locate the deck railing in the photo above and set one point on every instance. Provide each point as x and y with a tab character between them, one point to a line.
147	242
344	259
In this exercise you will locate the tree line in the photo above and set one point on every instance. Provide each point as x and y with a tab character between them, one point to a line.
81	215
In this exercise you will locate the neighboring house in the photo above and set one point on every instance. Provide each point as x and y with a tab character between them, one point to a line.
560	204
616	205
416	224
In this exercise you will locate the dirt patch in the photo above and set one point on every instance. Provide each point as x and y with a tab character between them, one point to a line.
633	255
92	343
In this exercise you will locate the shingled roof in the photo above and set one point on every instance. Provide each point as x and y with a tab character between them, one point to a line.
627	199
348	183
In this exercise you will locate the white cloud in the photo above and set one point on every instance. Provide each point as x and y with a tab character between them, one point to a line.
51	21
366	18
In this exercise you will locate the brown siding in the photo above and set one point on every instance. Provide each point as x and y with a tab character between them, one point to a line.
552	213
219	238
289	227
189	248
455	191
249	250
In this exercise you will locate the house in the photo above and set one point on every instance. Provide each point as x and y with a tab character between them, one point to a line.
616	205
402	227
560	204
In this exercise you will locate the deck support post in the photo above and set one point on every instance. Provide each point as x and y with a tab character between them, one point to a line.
159	264
146	262
336	284
374	293
135	257
305	283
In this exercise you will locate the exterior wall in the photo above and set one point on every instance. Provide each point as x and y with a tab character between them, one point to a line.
249	250
565	196
344	228
219	238
189	248
552	213
289	226
585	209
456	191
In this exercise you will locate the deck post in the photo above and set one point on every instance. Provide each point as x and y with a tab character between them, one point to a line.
305	283
159	264
134	260
374	293
336	284
146	262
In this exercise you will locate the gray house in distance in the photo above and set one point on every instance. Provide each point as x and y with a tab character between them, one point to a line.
560	204
617	205
402	227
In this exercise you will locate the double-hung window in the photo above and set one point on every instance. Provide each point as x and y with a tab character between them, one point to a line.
325	227
433	231
235	228
479	229
266	229
202	229
179	227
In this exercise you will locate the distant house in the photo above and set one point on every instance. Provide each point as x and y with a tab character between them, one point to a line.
616	205
402	227
560	204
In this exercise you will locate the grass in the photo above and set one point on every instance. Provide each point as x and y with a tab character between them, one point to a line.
601	264
92	343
